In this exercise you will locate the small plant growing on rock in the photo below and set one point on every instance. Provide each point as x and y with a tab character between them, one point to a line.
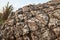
6	11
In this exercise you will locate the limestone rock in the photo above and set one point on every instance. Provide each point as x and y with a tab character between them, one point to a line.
33	22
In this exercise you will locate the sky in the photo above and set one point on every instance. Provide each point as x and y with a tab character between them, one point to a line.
20	3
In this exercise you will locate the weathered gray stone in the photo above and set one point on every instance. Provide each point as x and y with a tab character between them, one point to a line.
33	22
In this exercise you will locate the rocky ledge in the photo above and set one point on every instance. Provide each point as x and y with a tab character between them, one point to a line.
33	22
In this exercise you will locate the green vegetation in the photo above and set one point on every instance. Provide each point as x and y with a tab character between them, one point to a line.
1	21
6	11
0	15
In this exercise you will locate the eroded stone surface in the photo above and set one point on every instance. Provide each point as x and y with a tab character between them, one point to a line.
33	22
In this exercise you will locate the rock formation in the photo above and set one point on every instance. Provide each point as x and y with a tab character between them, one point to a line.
33	22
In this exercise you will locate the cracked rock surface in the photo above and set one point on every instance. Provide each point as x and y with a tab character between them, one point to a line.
33	22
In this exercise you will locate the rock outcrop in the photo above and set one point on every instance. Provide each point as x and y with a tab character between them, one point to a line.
33	22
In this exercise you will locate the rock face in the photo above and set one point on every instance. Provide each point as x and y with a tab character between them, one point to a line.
33	22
